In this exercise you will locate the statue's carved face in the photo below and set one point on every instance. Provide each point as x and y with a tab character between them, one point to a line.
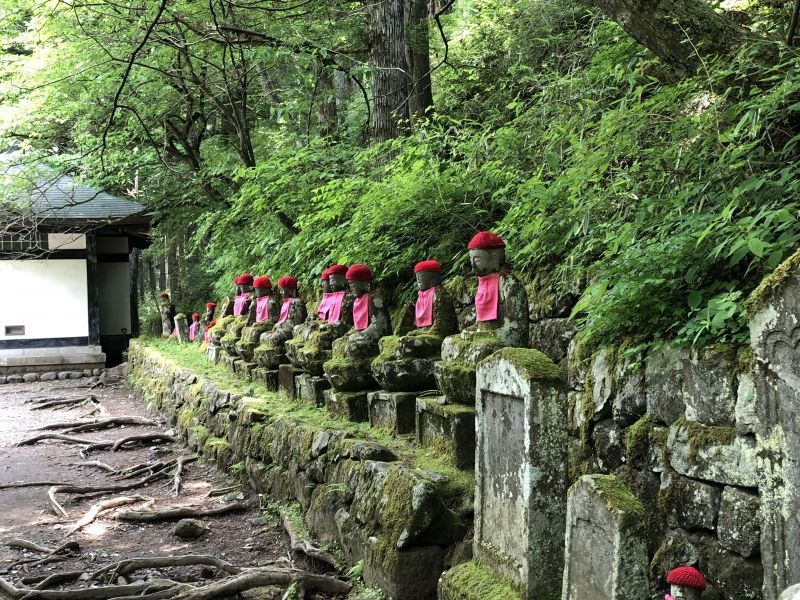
287	292
210	312
427	279
359	288
237	289
337	282
325	285
246	289
485	262
263	291
680	592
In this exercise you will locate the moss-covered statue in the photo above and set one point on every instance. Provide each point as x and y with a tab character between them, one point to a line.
407	358
686	583
205	320
167	310
349	367
501	319
225	316
271	350
241	313
311	345
264	313
195	324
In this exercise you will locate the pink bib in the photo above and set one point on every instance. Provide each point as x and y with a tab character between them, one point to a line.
423	315
335	306
262	308
206	339
487	297
667	597
361	312
192	331
238	305
324	306
287	303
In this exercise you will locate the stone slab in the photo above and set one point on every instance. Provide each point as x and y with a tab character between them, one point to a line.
350	406
395	411
311	388
268	378
286	377
447	426
245	369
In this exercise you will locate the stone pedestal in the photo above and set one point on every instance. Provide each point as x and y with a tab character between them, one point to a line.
447	426
473	581
268	378
773	311
286	375
182	329
311	388
606	546
350	406
233	333
244	369
394	411
214	353
521	460
461	353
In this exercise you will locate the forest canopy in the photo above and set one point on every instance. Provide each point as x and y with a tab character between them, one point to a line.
639	158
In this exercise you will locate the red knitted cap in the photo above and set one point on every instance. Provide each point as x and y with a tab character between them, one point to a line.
245	279
359	273
427	265
210	304
485	240
262	281
687	577
237	280
211	323
165	296
287	282
324	274
337	270
195	315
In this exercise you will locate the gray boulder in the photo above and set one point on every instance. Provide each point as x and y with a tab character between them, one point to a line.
739	527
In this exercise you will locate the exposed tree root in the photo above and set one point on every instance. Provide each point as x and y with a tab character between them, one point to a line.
56	579
96	509
27	484
50	555
96	463
298	544
182	512
95	424
147	437
126	567
32	546
264	576
176	482
223	491
62	437
63	402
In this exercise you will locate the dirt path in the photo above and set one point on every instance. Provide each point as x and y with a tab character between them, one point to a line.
245	539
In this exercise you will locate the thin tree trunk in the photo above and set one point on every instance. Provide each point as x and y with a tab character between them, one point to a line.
135	278
173	277
162	273
420	96
387	57
326	100
141	275
151	278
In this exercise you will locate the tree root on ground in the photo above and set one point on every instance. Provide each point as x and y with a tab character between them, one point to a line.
50	555
126	567
60	403
147	437
176	482
96	463
223	491
298	544
96	509
62	437
181	512
95	424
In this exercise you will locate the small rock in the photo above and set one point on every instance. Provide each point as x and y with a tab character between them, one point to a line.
189	529
96	372
738	528
30	377
14	379
158	452
2	379
74	375
49	376
87	372
84	576
791	593
63	375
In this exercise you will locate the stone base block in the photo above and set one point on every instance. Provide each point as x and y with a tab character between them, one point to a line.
230	362
395	411
406	374
269	357
269	378
311	388
214	353
447	426
286	375
472	581
456	381
350	406
350	375
246	350
244	369
403	574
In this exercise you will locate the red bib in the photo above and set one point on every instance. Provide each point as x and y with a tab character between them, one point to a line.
287	303
487	297
423	314
262	308
238	305
335	306
361	312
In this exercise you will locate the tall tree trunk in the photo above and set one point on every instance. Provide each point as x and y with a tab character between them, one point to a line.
135	279
420	95
326	100
387	57
173	277
681	32
151	276
141	274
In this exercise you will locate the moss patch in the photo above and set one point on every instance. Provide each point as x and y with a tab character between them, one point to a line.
619	498
772	283
702	436
534	364
473	581
637	438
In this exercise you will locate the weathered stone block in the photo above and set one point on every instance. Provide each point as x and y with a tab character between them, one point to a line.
552	337
229	362
521	461
664	377
395	411
30	377
245	369
609	445
269	378
350	406
326	501
677	550
472	581
182	329
712	453
709	387
630	401
690	504
286	376
18	378
410	574
447	426
350	375
745	410
606	555
603	384
214	353
456	381
311	388
791	593
738	528
49	376
732	575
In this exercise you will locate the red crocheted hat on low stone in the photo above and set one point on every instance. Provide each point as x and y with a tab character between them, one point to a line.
324	274
485	240
687	577
211	323
287	282
262	281
195	315
359	273
245	279
211	304
428	265
337	270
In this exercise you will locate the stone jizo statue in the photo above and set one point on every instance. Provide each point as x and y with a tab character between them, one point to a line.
203	325
244	294
271	352
264	313
207	337
194	326
686	583
167	310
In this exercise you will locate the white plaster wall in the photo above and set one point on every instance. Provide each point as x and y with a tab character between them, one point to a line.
113	280
66	241
48	297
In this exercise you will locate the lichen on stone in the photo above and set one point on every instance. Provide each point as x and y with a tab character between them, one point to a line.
473	581
702	436
772	283
618	497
